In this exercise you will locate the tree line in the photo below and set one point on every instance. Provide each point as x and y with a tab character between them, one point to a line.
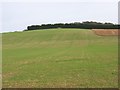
83	25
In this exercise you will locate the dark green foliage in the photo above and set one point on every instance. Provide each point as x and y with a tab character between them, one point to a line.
83	25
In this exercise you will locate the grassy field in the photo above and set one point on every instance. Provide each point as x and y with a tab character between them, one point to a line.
59	58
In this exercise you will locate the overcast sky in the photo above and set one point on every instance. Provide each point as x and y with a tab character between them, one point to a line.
16	16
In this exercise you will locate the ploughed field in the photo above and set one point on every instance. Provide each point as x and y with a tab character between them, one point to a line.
106	32
59	58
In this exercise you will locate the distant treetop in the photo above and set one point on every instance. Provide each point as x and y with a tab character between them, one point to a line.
83	25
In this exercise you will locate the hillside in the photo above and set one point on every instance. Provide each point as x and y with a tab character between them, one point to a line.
59	58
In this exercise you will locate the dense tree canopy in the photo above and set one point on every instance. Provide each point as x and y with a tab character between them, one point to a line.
83	25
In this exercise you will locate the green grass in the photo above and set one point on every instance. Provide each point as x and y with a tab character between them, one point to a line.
58	58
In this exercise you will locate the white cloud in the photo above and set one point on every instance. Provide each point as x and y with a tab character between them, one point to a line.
17	16
59	0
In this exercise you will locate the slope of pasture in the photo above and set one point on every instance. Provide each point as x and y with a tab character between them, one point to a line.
59	58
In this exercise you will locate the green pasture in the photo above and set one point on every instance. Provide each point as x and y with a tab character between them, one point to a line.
59	58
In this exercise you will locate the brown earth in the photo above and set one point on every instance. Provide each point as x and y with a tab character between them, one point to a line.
105	32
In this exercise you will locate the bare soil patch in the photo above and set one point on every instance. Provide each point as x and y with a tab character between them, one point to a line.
106	32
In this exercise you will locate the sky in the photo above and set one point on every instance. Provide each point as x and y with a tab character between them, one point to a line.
17	15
